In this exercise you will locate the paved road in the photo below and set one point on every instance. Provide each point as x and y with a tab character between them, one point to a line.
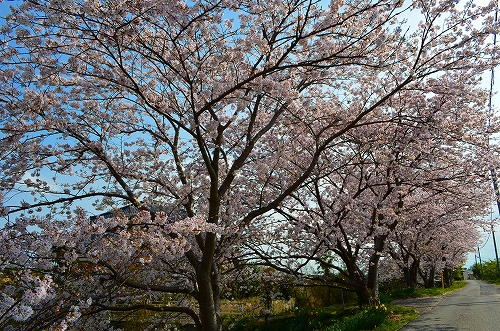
474	308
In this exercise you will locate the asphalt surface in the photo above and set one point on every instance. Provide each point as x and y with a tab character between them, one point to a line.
475	307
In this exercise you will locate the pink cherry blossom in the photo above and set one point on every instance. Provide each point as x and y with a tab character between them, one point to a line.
153	150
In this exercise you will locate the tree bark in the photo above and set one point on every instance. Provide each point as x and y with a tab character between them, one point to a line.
411	274
428	277
208	288
207	306
367	297
447	275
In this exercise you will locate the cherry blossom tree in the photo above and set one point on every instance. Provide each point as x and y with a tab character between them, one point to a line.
216	111
421	175
425	246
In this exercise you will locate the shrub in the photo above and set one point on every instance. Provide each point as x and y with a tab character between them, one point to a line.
487	271
367	320
302	320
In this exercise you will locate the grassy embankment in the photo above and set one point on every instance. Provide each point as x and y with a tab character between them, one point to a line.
386	317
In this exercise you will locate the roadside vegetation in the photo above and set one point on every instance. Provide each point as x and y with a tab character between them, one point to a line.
305	310
333	318
338	317
487	271
412	292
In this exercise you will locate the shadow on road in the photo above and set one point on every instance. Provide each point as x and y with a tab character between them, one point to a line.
470	304
428	323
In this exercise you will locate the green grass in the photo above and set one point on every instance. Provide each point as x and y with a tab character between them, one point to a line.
411	292
332	318
337	318
394	318
398	318
299	320
365	320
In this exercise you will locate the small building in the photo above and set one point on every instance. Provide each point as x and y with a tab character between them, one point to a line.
468	274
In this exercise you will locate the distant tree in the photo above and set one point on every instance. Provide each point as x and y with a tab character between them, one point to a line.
422	247
487	270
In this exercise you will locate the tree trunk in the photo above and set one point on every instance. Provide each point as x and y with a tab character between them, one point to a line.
372	286
207	277
209	312
366	297
372	283
428	277
411	274
447	275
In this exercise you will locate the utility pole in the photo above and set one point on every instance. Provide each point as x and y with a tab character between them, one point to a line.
480	263
497	194
493	171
